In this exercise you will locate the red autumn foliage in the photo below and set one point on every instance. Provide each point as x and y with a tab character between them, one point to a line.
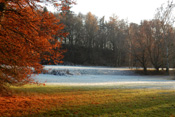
26	35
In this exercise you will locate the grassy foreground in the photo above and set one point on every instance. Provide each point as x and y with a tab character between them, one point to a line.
56	101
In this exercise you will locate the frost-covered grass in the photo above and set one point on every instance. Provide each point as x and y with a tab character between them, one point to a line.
84	70
97	70
83	101
92	76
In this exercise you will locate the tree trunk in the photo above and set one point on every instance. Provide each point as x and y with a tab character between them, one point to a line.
145	70
157	69
167	59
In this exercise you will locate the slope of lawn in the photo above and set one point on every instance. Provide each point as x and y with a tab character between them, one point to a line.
32	100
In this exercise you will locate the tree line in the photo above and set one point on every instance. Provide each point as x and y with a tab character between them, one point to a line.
95	41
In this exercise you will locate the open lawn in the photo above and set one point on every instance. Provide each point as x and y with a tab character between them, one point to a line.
121	77
32	100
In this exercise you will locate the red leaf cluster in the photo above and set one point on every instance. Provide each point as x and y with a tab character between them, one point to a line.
26	33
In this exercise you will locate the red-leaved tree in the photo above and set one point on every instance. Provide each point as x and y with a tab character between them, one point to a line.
25	34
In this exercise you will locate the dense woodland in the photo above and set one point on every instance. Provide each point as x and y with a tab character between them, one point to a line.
95	41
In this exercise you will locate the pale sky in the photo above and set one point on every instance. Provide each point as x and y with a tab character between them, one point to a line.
133	10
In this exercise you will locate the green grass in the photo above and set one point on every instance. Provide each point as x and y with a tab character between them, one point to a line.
102	101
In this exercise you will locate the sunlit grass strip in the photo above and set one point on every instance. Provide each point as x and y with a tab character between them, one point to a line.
87	101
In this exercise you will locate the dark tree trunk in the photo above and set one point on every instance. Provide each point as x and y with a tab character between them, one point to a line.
145	70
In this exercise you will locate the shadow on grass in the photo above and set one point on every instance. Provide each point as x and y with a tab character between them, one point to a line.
114	110
151	72
141	106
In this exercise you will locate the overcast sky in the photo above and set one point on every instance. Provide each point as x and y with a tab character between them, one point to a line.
133	10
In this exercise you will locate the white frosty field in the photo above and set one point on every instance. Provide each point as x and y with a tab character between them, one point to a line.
99	76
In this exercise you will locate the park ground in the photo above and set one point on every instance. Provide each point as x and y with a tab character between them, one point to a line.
33	100
103	92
